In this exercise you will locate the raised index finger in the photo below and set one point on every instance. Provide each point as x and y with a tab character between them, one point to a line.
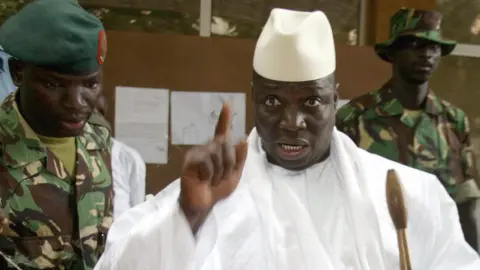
224	122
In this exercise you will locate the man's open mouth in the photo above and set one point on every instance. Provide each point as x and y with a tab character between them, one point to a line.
292	151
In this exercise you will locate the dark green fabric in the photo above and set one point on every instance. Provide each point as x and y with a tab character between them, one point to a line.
56	34
424	24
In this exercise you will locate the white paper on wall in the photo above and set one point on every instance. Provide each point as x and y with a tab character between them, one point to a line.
194	116
141	121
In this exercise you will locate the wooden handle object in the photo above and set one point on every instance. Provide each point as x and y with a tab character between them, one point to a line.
398	213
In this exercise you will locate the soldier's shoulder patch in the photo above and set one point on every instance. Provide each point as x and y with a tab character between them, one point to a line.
102	47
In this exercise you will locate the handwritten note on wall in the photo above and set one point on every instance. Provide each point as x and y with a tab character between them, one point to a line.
141	121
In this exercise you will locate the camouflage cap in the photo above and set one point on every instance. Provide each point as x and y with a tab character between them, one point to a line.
425	24
56	34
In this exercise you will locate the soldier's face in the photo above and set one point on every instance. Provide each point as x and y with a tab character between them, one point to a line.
295	120
54	104
415	59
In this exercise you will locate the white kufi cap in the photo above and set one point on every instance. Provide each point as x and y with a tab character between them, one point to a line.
295	46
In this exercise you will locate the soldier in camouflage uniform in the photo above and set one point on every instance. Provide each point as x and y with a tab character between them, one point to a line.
55	173
406	122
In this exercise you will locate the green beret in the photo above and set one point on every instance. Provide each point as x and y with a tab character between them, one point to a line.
56	34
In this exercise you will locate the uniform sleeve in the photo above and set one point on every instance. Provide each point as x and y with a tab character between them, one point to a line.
436	225
468	189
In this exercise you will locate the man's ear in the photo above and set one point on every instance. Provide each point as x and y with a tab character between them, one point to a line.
17	70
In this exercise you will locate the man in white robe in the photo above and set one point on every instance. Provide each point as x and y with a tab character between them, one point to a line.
129	177
299	195
128	171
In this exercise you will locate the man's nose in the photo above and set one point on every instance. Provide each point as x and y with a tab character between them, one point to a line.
428	52
293	120
74	97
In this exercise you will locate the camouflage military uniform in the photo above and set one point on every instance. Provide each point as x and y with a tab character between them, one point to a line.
437	141
62	219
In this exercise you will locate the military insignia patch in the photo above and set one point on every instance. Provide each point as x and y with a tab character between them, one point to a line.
102	47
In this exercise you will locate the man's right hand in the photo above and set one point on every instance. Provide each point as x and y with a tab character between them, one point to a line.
211	172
